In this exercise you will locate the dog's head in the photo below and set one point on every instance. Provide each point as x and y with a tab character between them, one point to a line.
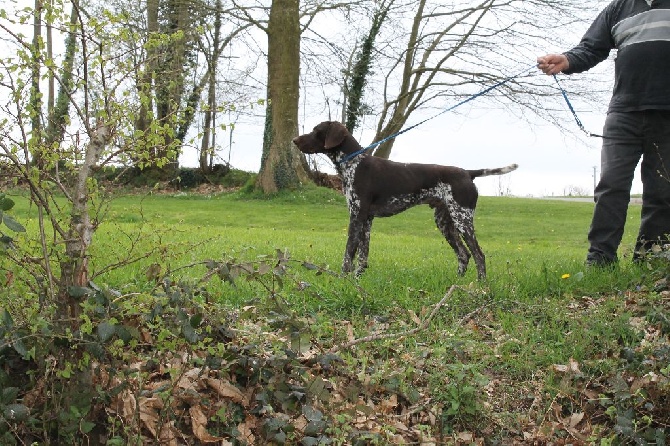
325	137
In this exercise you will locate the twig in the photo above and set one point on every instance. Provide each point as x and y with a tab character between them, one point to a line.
426	322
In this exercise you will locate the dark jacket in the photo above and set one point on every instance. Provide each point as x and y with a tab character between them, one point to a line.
641	35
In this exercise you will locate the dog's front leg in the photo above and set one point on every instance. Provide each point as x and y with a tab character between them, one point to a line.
353	241
364	246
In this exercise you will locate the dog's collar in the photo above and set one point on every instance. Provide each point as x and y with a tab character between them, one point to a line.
365	149
351	156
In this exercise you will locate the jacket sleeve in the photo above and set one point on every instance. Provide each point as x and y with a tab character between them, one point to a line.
596	44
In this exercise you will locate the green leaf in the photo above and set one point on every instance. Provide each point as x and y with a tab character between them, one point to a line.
315	427
16	413
12	224
86	426
311	413
125	333
9	395
196	320
106	331
6	203
6	241
7	320
310	441
96	350
189	332
78	291
20	347
301	341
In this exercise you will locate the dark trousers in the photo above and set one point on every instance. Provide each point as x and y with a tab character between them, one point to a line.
629	137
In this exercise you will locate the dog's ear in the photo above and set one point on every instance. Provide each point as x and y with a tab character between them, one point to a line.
336	134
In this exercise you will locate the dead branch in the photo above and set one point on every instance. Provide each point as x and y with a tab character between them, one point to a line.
426	322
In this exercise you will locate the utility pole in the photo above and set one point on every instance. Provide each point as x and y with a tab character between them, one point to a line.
594	179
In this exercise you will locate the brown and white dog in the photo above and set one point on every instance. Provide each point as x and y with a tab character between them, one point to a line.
377	187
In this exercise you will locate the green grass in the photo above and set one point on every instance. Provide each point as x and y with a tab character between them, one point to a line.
539	307
530	244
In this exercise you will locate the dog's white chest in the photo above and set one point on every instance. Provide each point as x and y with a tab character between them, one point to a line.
347	174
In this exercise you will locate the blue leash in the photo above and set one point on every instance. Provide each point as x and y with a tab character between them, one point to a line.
581	126
574	113
481	93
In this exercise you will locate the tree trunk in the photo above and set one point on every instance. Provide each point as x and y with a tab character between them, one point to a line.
207	141
145	79
35	96
170	83
74	267
59	110
282	165
359	75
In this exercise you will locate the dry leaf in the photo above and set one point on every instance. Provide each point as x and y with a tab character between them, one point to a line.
199	425
574	366
128	404
560	368
189	380
388	405
575	419
226	390
245	430
168	435
149	413
414	317
300	424
466	436
350	331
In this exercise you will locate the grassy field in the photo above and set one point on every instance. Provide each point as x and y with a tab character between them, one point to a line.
530	244
517	358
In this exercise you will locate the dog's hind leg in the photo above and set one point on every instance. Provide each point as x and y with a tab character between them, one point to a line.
446	225
477	253
464	222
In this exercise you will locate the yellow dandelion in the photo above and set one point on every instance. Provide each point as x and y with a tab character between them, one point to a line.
565	276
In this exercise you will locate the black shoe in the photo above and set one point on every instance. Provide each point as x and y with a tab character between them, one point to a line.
601	262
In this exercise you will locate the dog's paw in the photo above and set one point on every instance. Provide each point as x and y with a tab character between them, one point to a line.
359	272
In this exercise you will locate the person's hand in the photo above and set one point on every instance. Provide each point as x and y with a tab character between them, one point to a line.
553	63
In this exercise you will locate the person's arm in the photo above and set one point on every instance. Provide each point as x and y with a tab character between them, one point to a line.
594	47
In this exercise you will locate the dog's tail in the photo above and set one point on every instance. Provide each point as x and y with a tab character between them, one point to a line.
496	171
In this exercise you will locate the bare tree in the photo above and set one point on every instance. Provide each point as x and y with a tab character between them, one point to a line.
430	55
458	49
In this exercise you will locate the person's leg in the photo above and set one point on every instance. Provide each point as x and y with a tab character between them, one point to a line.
655	222
621	152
